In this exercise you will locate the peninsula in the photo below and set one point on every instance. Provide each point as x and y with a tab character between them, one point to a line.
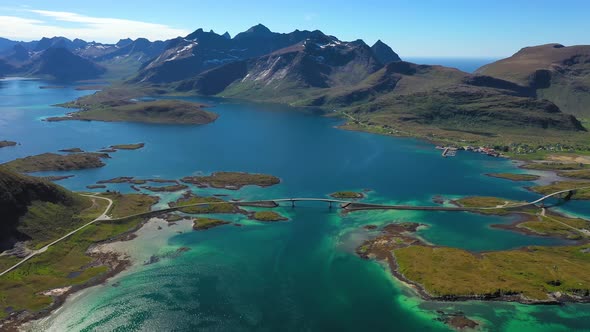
57	162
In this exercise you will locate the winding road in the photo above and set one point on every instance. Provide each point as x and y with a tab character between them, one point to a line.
103	216
346	205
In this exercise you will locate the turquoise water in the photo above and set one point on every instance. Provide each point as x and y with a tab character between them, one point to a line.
296	275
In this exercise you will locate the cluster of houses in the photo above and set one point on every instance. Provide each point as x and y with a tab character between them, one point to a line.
452	151
488	151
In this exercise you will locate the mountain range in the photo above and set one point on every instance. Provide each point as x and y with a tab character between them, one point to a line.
538	87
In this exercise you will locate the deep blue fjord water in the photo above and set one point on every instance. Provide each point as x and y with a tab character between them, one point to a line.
290	276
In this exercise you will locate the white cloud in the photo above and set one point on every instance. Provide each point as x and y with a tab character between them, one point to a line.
73	25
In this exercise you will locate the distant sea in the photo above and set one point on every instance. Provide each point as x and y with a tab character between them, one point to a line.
465	64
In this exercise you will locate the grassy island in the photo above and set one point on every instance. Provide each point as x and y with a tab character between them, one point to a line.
216	205
172	188
528	275
128	146
483	201
347	195
96	186
72	150
120	179
57	162
532	274
515	176
268	216
120	105
232	180
4	144
201	224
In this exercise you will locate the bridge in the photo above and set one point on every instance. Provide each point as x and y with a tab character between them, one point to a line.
358	206
343	204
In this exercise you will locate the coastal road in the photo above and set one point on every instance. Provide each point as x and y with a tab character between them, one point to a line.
103	216
584	232
347	205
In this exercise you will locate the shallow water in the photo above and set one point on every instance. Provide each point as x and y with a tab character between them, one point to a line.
296	275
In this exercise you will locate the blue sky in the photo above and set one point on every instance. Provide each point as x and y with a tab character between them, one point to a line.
427	28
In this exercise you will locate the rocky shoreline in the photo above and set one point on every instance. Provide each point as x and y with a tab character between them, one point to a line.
116	263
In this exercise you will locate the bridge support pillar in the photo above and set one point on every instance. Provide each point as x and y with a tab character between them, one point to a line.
330	207
292	203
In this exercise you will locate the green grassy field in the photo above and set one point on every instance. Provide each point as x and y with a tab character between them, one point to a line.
347	195
57	162
583	194
128	146
219	206
547	225
206	223
583	174
533	271
233	180
515	176
268	216
480	201
66	263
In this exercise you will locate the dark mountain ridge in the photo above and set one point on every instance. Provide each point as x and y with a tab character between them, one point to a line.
553	71
185	58
17	194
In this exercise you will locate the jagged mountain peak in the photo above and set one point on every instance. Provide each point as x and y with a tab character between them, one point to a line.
124	42
259	29
384	53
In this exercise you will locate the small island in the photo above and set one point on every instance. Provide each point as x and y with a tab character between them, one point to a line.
127	146
232	180
121	105
515	176
268	216
57	162
204	205
4	144
96	186
201	224
172	188
72	150
120	179
347	195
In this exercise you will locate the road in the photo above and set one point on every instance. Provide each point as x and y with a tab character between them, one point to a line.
103	216
351	205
